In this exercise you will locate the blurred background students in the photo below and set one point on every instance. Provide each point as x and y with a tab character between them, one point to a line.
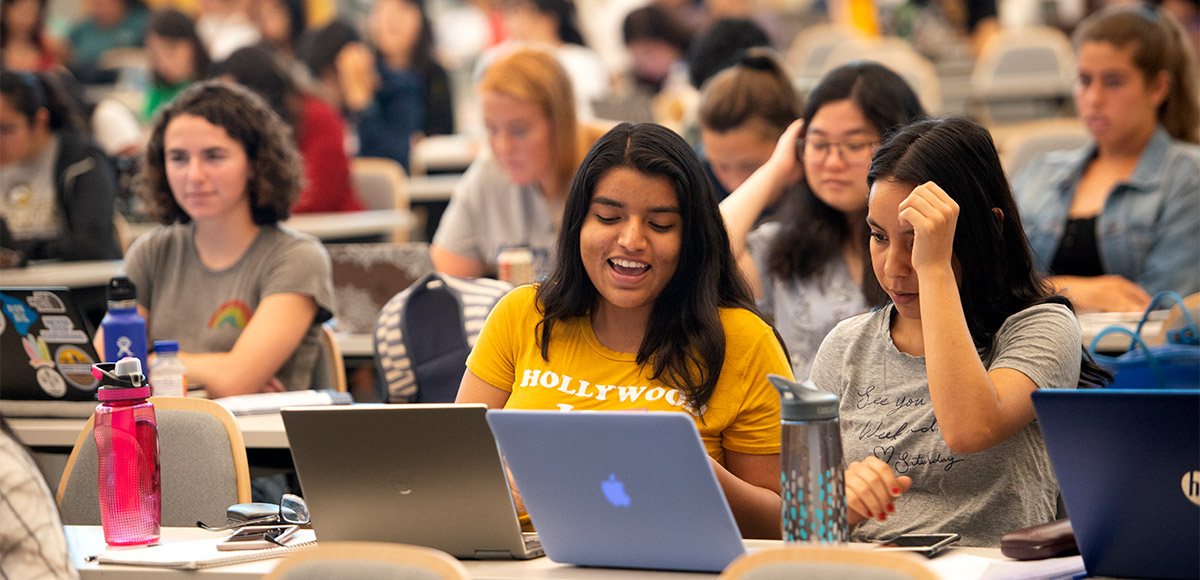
744	109
553	23
317	127
108	24
282	25
513	198
177	58
244	297
57	187
23	37
225	26
412	98
1119	219
810	269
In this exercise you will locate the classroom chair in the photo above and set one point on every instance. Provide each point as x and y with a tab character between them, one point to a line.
900	57
329	370
368	560
202	460
381	183
826	563
1021	143
1023	74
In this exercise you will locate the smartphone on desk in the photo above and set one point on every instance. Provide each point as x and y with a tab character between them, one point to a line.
928	544
256	537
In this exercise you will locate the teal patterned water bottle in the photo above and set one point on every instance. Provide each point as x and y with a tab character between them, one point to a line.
812	475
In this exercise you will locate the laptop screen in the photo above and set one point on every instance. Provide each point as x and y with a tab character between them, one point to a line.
46	350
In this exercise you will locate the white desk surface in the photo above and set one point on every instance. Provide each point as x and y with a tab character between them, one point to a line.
82	274
432	187
84	541
330	225
260	431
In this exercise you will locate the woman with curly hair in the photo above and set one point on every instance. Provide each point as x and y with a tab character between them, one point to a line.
243	296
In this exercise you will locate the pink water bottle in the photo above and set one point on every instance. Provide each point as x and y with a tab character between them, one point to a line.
126	435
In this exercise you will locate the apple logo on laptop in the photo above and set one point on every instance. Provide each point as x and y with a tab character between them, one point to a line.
614	491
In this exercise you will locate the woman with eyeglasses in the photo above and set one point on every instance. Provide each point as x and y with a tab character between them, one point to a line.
1118	219
810	269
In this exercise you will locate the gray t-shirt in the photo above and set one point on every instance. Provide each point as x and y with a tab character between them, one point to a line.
206	310
488	214
803	310
885	411
28	199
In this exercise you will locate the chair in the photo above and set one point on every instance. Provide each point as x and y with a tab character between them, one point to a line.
826	563
899	56
1023	74
1021	143
382	184
368	561
202	459
123	232
811	48
329	370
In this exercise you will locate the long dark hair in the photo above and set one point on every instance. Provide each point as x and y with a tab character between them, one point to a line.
998	276
28	93
811	232
685	341
172	24
254	67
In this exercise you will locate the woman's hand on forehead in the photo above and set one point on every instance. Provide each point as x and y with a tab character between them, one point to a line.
933	216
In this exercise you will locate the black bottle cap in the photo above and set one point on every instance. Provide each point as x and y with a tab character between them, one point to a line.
120	288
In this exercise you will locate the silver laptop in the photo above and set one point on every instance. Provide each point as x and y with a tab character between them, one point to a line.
619	489
428	475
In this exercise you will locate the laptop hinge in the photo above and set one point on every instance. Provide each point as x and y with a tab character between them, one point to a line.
493	554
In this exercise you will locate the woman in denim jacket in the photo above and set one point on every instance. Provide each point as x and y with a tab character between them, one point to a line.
1119	218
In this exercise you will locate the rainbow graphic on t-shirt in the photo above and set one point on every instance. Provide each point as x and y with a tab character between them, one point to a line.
232	314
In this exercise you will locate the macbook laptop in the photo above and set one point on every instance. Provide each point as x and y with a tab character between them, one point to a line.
46	350
1128	463
619	489
426	474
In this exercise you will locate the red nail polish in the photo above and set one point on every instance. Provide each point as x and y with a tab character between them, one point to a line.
891	508
882	517
895	491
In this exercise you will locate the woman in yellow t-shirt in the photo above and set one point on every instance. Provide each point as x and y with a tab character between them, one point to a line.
645	310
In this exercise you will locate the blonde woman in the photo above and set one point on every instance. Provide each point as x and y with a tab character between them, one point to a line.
513	197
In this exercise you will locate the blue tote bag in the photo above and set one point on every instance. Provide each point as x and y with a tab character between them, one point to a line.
1174	364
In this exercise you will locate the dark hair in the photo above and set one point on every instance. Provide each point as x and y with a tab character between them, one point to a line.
297	11
998	276
424	57
321	46
38	34
563	10
274	161
756	87
653	22
30	92
255	68
175	25
685	341
1158	44
720	45
811	232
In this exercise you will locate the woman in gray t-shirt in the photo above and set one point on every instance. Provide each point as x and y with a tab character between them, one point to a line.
935	387
243	296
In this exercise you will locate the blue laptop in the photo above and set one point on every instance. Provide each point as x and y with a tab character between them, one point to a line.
619	489
1128	463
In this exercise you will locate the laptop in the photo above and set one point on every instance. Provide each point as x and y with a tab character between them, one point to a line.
1128	463
425	474
46	351
619	489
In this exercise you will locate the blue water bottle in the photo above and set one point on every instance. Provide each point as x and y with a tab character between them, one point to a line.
124	328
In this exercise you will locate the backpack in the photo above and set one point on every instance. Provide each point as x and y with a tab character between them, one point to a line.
424	334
